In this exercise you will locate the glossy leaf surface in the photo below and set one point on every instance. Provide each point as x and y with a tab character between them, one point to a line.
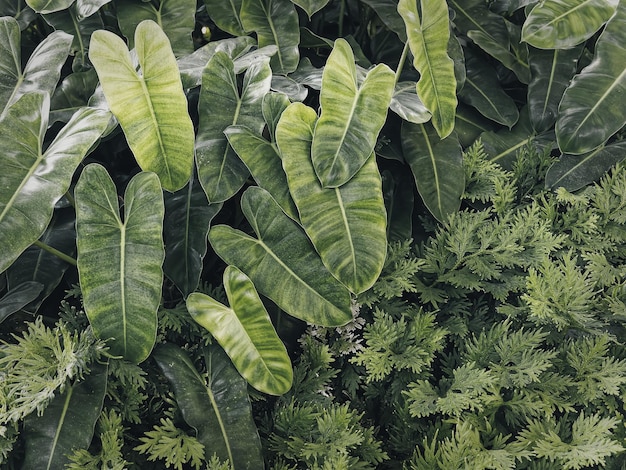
351	116
19	297
48	6
347	225
72	94
282	262
406	104
151	107
225	14
311	6
120	259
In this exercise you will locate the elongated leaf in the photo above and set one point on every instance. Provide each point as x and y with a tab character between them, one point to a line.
273	106
175	17
151	107
120	258
475	15
561	24
576	171
592	108
188	216
351	116
19	297
428	38
274	22
347	225
282	262
469	124
406	104
399	202
42	70
219	410
311	6
32	182
437	167
225	14
221	172
66	425
246	333
48	6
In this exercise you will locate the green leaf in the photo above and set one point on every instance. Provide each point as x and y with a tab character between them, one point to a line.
42	70
437	167
592	108
19	10
469	124
428	38
387	11
274	22
311	6
120	258
273	106
66	425
151	107
218	408
475	15
33	181
399	202
347	225
221	172
351	116
19	297
175	17
48	6
561	24
86	8
246	333
225	14
72	94
188	216
282	262
406	104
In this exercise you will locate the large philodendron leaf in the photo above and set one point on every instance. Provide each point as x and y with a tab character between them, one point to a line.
437	167
351	116
592	108
387	11
347	225
220	171
120	258
561	24
225	14
274	22
428	38
151	107
246	333
32	181
282	262
42	71
217	407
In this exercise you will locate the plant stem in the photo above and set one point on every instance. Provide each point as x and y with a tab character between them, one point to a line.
55	252
405	53
70	198
342	12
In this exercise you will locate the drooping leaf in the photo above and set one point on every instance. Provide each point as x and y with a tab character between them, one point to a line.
188	216
218	409
66	425
406	104
561	24
274	22
475	15
592	108
287	86
120	259
49	6
311	6
351	116
437	167
175	17
42	71
151	107
33	181
282	262
72	94
246	333
469	124
347	225
19	297
387	11
220	171
428	32
225	14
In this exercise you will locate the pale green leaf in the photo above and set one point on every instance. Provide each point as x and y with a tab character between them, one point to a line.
48	6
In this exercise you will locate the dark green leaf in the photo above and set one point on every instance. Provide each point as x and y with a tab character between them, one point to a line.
469	124
225	14
311	6
475	15
19	297
399	201
49	6
72	94
387	11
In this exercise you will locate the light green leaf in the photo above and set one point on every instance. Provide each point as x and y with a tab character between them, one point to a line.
428	38
406	104
288	86
274	22
217	407
351	116
282	262
246	333
33	181
561	24
592	108
437	167
347	225
120	258
86	8
42	71
48	6
225	14
221	172
151	107
311	6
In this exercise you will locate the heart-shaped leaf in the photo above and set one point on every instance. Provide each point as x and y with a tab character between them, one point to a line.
347	225
120	258
311	6
282	262
428	32
246	333
48	6
33	181
351	116
225	14
151	107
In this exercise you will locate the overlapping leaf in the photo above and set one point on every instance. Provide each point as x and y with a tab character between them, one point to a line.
48	6
225	14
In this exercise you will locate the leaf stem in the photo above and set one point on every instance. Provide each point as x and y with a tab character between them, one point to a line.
405	53
70	198
55	252
342	12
